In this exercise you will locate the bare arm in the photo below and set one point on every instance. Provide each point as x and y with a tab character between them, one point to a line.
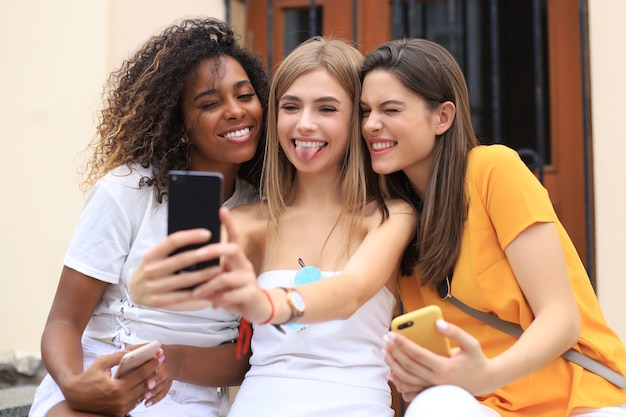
369	269
92	390
537	261
372	265
60	345
536	257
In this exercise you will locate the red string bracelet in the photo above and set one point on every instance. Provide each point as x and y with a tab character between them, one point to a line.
245	330
273	311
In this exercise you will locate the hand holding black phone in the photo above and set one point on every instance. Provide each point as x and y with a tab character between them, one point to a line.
194	200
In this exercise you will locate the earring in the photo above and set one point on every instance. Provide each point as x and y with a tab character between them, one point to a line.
183	140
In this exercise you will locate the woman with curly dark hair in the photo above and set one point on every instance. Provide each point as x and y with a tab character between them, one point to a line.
190	99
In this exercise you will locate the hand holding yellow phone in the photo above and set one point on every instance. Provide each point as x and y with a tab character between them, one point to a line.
419	326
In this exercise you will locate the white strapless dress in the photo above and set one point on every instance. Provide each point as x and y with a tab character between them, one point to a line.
329	369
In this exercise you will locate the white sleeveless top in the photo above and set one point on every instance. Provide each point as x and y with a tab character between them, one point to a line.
335	368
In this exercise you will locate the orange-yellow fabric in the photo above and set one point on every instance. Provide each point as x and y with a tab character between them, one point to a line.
505	198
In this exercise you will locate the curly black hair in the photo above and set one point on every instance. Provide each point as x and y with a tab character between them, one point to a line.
142	122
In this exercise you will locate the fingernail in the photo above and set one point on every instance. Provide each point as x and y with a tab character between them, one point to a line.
442	324
391	336
161	359
149	395
151	385
148	404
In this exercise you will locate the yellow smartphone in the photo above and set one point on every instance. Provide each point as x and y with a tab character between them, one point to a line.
419	326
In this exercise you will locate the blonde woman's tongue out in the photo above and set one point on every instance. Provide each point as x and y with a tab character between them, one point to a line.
306	150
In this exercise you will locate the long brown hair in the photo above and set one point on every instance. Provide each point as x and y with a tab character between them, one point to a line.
430	71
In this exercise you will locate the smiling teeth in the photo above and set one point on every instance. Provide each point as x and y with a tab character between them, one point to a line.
310	144
237	133
378	146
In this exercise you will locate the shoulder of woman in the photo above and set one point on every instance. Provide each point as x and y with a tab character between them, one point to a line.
492	153
124	181
251	221
250	212
486	159
127	176
399	206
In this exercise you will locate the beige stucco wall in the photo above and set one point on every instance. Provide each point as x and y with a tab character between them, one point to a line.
608	92
55	57
53	64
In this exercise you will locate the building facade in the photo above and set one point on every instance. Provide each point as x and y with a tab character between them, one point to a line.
558	67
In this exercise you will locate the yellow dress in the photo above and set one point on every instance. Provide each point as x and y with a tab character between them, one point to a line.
505	198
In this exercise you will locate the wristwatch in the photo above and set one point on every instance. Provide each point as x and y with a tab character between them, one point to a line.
296	304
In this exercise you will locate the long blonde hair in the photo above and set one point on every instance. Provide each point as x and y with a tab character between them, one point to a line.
359	183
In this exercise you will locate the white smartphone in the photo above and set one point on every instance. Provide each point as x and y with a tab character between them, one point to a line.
137	357
419	326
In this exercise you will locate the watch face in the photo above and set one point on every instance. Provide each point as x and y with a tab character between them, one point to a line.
298	301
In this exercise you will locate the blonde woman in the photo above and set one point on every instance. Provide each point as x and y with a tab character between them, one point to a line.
325	244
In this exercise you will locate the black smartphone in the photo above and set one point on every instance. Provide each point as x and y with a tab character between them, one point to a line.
194	200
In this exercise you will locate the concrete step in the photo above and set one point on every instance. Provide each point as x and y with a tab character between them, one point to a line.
16	401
